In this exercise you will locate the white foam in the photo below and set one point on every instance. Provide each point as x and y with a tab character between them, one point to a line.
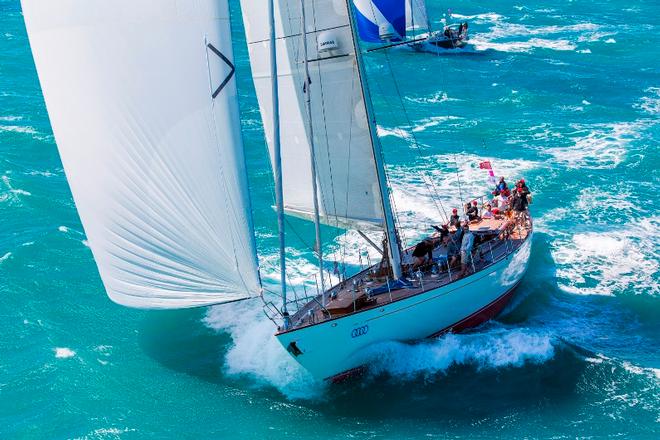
435	98
41	173
396	132
21	192
487	17
5	257
64	352
506	37
11	194
106	433
599	146
610	41
432	122
10	118
653	373
523	46
610	262
18	129
650	104
495	348
256	353
63	229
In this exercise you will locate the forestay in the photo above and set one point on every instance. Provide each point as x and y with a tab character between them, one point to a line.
154	161
349	193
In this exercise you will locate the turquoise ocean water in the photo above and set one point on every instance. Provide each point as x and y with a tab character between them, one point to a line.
564	93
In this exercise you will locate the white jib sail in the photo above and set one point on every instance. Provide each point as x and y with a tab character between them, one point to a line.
154	162
348	185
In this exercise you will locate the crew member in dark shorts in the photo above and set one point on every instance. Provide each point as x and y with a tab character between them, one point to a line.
423	253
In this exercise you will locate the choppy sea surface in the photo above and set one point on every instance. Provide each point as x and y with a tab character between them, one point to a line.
563	93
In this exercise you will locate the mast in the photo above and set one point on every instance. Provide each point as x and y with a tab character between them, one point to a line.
390	226
277	160
312	152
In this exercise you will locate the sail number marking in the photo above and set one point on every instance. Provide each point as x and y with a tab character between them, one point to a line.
359	331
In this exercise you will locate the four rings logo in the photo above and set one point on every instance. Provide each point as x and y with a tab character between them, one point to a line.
359	331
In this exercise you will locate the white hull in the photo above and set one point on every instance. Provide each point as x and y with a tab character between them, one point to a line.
336	346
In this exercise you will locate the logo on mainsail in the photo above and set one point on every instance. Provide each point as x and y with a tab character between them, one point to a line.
229	75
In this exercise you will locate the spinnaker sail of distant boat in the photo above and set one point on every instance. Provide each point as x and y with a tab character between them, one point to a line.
384	20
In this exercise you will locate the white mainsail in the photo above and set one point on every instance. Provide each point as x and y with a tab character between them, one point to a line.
349	193
143	105
416	16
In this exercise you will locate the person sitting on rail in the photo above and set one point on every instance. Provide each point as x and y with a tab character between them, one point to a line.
472	211
467	244
454	219
423	253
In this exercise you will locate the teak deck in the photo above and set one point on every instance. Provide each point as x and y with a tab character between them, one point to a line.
352	295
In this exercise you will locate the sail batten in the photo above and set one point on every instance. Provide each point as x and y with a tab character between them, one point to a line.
146	120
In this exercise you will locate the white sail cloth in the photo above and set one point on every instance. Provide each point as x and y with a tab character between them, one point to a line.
155	164
349	194
416	16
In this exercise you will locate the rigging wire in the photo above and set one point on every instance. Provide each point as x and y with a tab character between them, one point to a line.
433	191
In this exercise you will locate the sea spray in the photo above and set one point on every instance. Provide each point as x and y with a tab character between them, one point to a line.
487	348
256	353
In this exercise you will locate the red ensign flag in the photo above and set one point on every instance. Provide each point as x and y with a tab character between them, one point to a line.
485	165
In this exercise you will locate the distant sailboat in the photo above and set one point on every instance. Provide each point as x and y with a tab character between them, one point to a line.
142	100
405	23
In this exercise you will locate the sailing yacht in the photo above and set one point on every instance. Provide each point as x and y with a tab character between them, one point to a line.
405	23
142	99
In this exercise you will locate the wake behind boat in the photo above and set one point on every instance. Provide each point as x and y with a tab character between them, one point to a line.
143	103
